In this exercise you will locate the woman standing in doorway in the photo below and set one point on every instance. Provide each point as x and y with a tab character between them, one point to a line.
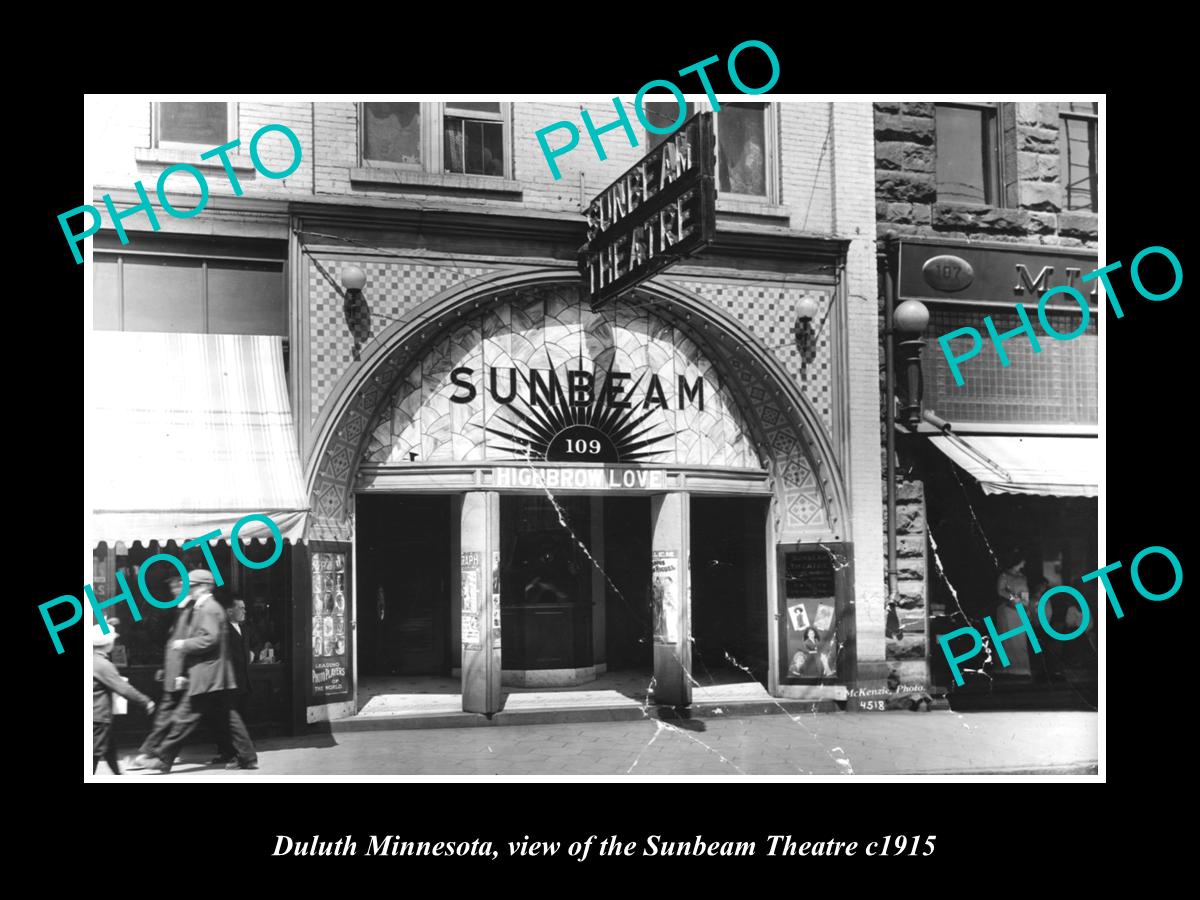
1013	590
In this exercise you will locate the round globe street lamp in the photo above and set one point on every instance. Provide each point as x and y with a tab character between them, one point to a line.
806	312
909	322
354	280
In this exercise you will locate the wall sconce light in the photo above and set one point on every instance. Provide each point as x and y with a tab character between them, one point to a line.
806	312
354	306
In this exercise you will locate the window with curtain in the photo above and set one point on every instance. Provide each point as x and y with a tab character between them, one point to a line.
473	138
462	137
968	157
392	132
742	144
207	124
1077	155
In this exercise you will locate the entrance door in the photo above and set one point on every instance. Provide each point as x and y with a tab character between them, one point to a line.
729	589
628	626
546	602
404	584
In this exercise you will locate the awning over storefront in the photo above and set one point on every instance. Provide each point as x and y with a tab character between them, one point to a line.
1010	464
190	432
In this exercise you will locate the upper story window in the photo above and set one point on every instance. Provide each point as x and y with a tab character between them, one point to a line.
189	124
391	133
1077	155
465	138
745	146
968	153
473	138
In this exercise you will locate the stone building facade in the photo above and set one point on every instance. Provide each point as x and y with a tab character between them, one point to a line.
1030	185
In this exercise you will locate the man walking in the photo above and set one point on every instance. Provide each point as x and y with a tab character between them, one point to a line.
239	654
210	686
171	674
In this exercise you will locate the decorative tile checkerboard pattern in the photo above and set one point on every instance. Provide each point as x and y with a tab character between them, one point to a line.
769	312
394	288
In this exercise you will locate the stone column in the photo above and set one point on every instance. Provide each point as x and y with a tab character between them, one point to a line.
479	565
670	582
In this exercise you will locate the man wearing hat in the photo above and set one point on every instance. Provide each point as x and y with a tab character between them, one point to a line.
171	675
210	683
105	680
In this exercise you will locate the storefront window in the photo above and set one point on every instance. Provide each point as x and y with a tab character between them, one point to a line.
265	592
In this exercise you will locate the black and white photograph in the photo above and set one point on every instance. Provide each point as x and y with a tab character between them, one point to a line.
679	435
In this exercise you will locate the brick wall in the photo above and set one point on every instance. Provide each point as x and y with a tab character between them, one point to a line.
119	142
853	217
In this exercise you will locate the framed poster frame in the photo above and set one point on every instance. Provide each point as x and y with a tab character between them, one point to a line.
841	561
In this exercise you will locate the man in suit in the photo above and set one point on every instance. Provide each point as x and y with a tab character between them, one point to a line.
239	654
211	683
171	675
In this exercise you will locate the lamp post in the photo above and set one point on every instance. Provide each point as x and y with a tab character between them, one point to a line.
909	322
907	319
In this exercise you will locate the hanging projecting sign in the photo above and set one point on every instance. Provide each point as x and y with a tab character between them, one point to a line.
660	211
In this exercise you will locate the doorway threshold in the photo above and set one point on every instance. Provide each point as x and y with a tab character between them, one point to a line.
436	702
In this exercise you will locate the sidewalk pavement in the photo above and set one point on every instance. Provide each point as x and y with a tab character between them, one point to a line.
861	743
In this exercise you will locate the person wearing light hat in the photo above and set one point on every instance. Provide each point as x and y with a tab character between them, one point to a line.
210	683
105	681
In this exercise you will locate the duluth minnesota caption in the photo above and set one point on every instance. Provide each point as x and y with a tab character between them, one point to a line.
654	845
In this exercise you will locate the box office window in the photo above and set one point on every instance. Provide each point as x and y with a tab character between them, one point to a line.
745	142
968	157
189	124
461	137
142	292
1077	155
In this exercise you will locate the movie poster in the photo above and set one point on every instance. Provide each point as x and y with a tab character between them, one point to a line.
330	643
664	582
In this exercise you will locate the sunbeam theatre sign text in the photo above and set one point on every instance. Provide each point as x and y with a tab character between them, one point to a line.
660	211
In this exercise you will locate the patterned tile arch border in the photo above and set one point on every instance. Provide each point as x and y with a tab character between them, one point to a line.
790	436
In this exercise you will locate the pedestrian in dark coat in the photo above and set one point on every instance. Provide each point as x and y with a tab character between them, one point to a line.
171	675
211	683
106	681
239	654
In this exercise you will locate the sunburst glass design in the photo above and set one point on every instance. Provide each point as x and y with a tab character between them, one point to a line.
596	431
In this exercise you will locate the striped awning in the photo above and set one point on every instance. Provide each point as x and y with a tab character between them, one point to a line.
1011	464
191	432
